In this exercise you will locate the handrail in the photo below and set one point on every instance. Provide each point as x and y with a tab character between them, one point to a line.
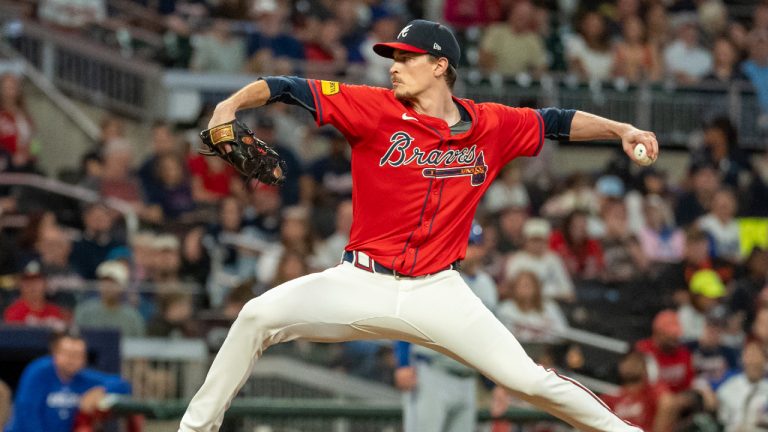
76	192
63	103
594	340
306	408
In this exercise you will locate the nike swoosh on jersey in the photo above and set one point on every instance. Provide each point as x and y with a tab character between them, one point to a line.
407	117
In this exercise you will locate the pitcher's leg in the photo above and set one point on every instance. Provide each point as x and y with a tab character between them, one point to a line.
319	307
460	325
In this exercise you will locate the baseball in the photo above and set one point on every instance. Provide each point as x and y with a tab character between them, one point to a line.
641	155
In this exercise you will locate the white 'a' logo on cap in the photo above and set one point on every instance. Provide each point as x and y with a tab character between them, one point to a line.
404	31
436	47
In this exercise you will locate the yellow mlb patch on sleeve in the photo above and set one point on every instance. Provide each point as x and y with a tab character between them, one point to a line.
329	87
222	133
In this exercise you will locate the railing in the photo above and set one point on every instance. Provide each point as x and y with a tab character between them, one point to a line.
160	369
80	193
146	91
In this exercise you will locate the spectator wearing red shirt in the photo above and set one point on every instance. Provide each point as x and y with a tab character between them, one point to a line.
669	362
31	308
582	255
16	126
212	179
639	402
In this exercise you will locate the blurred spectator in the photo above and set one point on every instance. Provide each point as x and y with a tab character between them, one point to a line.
578	195
623	257
195	261
721	148
712	360
748	287
636	59
468	13
327	46
328	252
510	223
218	50
72	14
743	398
756	67
54	248
686	60
31	308
720	224
660	240
645	405
726	61
111	128
713	18
530	316
118	181
329	180
472	270
55	389
272	48
110	310
289	191
39	223
582	255
704	182
263	211
174	318
17	130
657	26
507	191
512	47
177	50
535	257
589	52
295	236
173	193
96	241
292	265
212	179
384	27
760	16
669	362
233	249
162	142
167	257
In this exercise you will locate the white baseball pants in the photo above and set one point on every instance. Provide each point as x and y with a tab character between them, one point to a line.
347	303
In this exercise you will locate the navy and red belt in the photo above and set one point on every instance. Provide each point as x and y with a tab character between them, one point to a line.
364	262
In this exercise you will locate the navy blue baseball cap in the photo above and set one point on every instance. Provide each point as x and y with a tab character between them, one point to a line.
423	37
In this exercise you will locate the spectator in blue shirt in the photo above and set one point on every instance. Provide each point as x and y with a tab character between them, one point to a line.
756	68
51	388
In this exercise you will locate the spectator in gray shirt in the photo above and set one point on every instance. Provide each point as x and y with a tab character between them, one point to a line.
110	310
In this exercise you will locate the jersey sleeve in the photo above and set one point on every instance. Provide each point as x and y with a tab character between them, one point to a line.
352	109
522	131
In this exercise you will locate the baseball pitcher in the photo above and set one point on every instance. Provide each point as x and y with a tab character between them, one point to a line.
421	161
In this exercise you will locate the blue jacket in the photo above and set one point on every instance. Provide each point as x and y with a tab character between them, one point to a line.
44	403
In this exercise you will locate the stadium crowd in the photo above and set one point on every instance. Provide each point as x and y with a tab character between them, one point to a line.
675	263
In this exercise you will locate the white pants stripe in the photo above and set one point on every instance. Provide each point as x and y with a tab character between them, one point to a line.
346	303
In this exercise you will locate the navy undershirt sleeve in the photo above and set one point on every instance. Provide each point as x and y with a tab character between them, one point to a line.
290	90
557	122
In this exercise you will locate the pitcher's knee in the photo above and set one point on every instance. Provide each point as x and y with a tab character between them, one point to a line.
258	314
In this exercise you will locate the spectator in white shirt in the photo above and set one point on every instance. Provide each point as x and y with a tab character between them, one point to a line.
527	314
743	398
328	252
720	224
589	53
538	259
686	60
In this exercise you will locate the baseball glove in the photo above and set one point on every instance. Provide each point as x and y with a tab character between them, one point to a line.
238	146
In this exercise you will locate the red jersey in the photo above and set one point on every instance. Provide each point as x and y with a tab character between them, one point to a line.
586	259
415	187
674	369
20	313
637	406
215	182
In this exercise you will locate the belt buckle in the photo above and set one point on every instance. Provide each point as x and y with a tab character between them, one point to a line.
396	274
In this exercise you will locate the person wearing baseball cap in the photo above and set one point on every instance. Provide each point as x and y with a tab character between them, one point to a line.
423	37
670	361
707	290
110	310
32	308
